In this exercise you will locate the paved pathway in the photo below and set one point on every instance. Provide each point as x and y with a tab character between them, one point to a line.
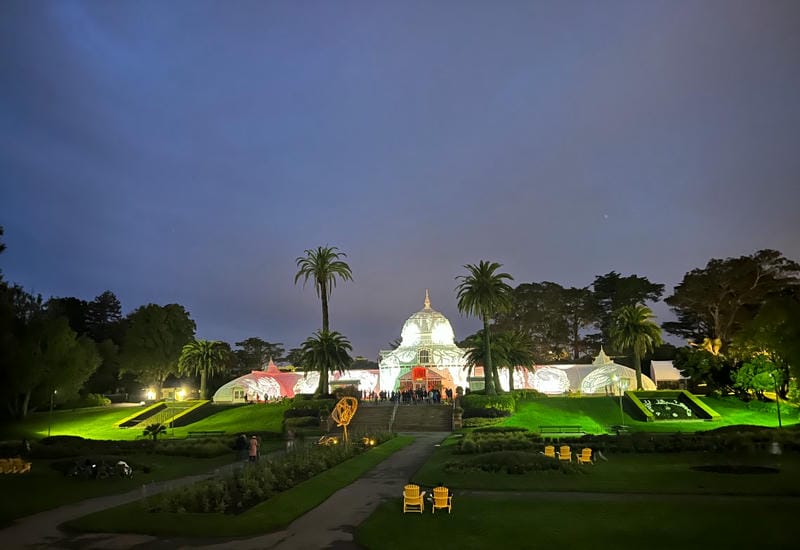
329	525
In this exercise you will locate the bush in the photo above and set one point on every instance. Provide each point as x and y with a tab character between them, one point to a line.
487	406
301	422
309	407
484	442
500	429
510	462
480	422
246	487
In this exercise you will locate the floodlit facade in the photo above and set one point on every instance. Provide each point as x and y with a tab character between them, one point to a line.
428	358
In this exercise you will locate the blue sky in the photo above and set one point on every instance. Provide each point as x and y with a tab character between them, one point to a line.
189	151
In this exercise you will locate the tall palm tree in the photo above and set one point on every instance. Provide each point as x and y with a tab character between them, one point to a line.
323	265
326	351
634	330
484	293
203	357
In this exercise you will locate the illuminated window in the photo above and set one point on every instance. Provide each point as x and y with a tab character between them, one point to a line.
424	356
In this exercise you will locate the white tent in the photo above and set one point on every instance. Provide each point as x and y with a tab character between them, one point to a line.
665	371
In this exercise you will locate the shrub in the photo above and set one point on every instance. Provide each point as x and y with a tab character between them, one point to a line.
478	422
500	429
487	406
245	487
301	422
309	407
510	462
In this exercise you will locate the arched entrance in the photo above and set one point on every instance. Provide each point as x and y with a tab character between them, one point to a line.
420	378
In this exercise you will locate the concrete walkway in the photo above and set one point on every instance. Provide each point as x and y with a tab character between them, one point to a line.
329	525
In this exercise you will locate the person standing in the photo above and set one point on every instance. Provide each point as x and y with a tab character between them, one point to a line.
253	449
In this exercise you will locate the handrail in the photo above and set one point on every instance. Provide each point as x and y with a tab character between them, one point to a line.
394	413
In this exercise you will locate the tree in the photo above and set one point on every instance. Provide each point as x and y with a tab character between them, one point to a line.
633	330
47	356
757	375
255	353
702	366
720	299
774	333
205	358
516	352
323	266
104	316
484	293
612	292
509	349
553	318
325	352
154	430
154	341
295	357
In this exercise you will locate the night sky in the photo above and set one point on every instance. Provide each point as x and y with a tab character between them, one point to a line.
189	151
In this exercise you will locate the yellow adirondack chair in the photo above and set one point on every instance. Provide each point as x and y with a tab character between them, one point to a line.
585	457
413	500
442	499
550	451
564	453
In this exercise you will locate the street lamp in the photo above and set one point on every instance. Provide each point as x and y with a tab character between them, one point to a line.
618	381
777	399
50	416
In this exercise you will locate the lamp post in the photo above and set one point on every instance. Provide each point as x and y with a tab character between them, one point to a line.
777	398
50	415
618	381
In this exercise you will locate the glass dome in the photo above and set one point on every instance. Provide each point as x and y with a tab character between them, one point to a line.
427	326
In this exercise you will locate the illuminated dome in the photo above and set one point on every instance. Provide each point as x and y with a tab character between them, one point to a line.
427	327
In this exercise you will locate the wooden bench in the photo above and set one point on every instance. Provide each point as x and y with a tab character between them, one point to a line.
212	433
560	430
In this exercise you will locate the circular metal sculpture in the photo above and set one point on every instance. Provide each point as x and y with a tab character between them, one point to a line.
344	412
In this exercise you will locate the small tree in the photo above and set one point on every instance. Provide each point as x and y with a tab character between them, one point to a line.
154	430
757	375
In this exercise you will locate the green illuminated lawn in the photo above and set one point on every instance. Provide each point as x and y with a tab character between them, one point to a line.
99	423
629	473
271	515
595	414
532	522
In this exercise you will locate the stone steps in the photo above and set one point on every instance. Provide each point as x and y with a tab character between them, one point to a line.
409	418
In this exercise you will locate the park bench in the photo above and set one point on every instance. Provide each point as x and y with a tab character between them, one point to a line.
211	433
618	429
561	430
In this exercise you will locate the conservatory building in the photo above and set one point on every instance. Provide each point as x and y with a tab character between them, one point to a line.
427	357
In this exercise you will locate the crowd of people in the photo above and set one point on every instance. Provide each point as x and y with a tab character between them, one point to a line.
410	396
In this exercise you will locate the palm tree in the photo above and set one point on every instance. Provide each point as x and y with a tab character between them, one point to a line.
323	266
154	430
484	293
516	352
633	329
326	351
204	357
476	353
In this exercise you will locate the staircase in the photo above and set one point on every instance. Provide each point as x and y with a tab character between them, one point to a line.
423	418
371	418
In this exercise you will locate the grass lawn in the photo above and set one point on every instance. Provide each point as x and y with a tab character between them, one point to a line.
629	473
45	488
98	422
268	516
635	522
595	414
